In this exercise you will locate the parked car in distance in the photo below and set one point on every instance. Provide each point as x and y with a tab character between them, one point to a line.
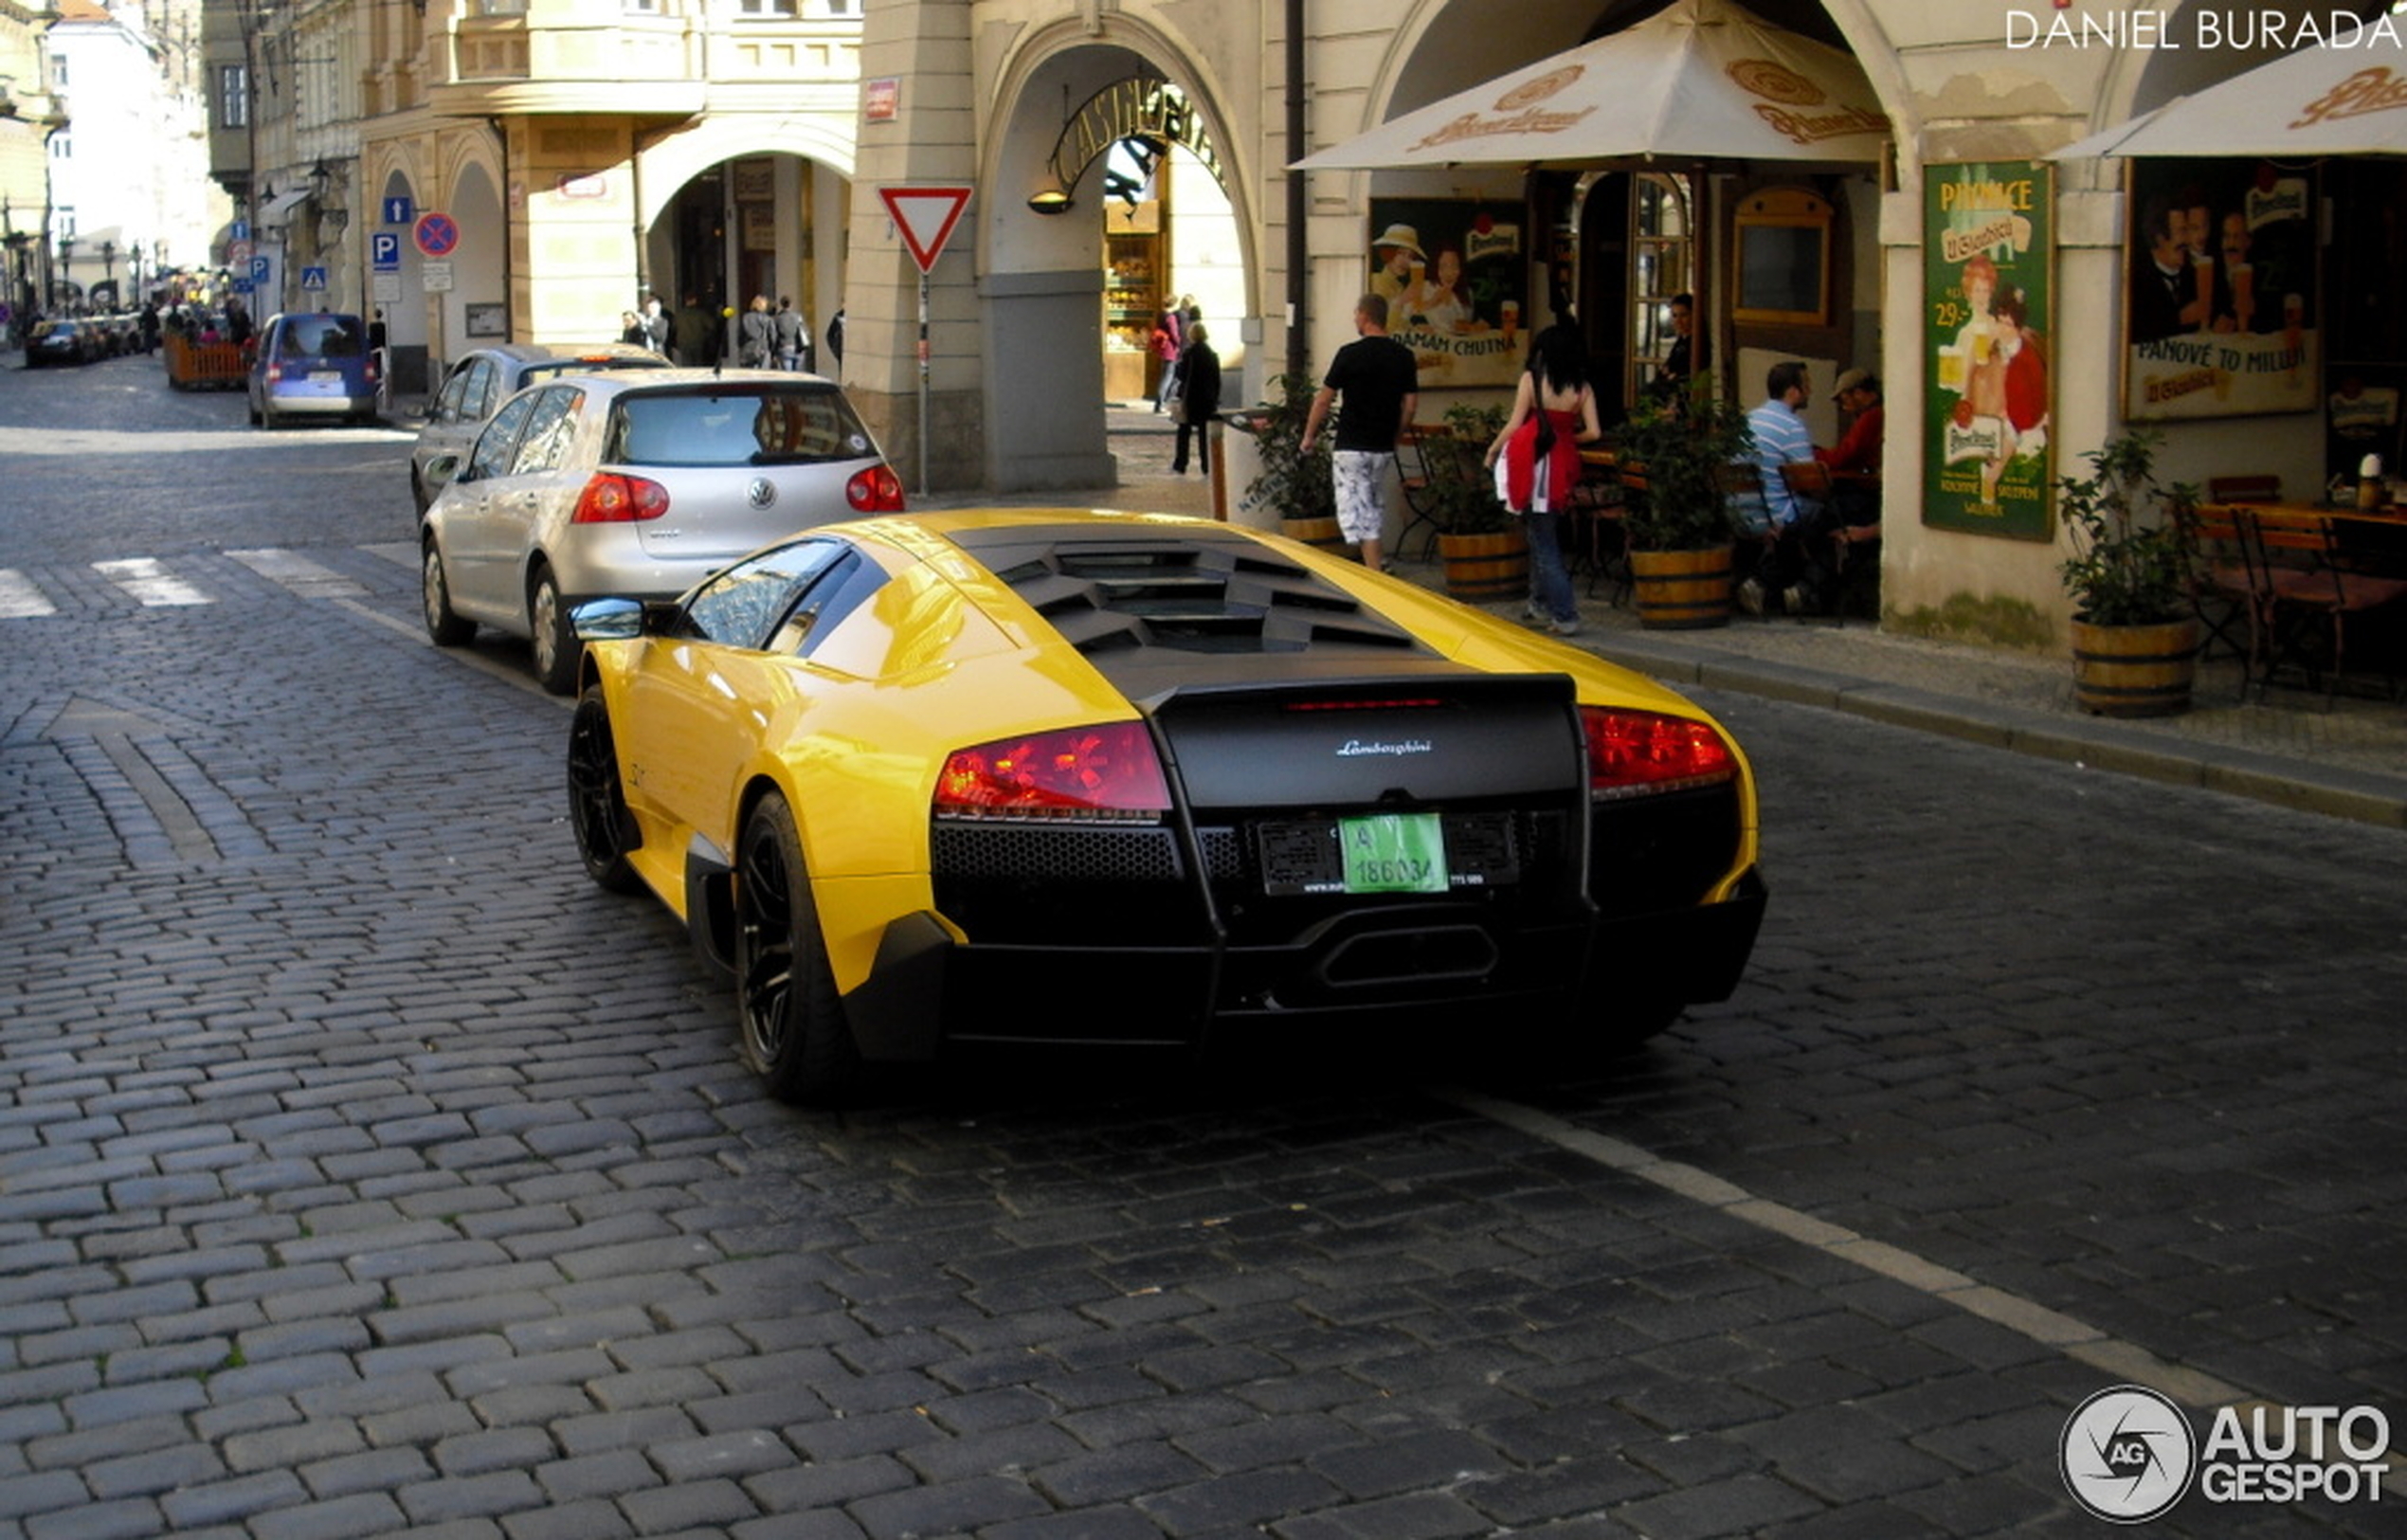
64	341
485	377
636	483
1050	777
313	363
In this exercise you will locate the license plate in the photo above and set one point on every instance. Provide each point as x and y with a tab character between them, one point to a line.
325	376
1393	853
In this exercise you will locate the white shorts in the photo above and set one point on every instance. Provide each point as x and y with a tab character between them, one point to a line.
1361	479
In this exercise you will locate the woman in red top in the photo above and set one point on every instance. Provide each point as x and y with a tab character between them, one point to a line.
1553	414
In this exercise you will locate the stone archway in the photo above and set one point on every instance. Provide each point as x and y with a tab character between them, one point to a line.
395	294
1057	318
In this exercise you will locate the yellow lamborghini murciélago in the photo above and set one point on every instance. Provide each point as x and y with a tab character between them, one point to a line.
909	777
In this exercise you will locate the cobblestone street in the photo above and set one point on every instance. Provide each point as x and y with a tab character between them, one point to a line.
363	1171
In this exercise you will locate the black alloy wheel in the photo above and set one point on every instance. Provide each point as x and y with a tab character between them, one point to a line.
794	1033
597	800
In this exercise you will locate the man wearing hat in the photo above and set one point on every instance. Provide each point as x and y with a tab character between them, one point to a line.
1859	449
1392	259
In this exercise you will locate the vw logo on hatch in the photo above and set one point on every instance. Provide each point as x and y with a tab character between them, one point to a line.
761	493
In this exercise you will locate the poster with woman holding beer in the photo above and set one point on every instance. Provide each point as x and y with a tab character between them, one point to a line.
1454	275
1991	295
2223	321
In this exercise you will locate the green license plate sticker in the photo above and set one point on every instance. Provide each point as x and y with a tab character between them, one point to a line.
1393	853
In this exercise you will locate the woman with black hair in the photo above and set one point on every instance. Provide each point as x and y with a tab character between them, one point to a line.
1536	456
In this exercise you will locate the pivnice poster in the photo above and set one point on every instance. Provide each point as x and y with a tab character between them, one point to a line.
1989	278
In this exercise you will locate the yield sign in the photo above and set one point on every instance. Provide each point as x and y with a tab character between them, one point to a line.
925	216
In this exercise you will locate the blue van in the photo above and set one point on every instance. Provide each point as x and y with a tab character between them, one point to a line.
313	364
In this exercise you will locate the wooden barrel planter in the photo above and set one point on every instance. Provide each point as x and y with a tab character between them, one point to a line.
2134	670
1484	566
1682	591
1322	532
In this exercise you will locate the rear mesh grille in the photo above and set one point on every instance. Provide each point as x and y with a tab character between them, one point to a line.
1075	855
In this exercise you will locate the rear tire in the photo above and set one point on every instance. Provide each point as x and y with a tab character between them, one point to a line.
445	626
597	798
557	651
792	1021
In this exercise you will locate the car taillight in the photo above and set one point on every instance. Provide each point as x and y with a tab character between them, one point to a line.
612	498
1108	770
275	372
1633	752
876	489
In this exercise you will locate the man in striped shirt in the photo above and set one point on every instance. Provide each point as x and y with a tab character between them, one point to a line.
1776	517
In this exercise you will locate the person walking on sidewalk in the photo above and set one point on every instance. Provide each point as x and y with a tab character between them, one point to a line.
1197	395
1537	454
1380	383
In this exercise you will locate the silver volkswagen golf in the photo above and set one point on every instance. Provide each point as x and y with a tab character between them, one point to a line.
637	485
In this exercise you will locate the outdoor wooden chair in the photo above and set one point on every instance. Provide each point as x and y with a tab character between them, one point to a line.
2307	596
1427	458
2223	593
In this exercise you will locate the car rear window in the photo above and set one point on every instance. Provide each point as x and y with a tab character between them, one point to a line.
775	425
322	336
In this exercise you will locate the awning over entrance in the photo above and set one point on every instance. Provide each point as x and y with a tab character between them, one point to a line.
1703	79
282	203
2346	97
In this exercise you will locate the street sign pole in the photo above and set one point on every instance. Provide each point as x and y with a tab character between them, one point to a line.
926	216
923	383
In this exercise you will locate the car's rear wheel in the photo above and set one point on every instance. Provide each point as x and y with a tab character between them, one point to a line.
794	1033
597	800
556	649
446	626
254	410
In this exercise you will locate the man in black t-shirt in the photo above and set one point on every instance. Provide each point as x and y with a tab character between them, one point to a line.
1381	382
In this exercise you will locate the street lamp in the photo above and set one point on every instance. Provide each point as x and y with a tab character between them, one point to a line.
67	263
108	267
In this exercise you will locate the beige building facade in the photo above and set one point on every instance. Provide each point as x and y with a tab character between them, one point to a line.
986	87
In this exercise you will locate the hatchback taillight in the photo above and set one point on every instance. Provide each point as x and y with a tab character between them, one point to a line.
1633	752
1106	771
275	372
612	498
876	489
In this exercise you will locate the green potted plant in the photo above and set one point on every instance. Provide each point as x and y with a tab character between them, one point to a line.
1295	483
1483	546
2135	631
1675	457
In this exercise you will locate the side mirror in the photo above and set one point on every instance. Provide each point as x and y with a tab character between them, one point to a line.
446	468
607	620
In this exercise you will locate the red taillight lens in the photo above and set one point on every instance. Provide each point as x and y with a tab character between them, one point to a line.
611	499
1108	770
876	489
275	372
1633	752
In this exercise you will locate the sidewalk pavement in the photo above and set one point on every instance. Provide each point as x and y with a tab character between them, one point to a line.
2348	760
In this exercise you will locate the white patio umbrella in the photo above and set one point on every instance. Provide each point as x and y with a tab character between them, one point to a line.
1703	79
2347	96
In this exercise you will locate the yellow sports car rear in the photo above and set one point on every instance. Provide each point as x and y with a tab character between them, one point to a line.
906	776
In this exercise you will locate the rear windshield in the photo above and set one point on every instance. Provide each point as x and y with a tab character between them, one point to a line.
774	425
322	336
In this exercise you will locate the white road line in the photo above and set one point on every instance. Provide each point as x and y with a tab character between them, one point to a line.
2077	1340
518	679
147	580
19	599
293	570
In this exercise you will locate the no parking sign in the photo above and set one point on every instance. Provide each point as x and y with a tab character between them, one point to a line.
437	235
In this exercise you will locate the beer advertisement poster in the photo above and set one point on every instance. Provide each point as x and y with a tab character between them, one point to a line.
1455	274
1990	304
2222	318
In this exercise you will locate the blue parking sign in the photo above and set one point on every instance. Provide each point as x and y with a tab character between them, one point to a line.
384	251
258	269
402	210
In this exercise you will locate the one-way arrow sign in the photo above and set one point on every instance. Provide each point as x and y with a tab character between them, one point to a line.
926	216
